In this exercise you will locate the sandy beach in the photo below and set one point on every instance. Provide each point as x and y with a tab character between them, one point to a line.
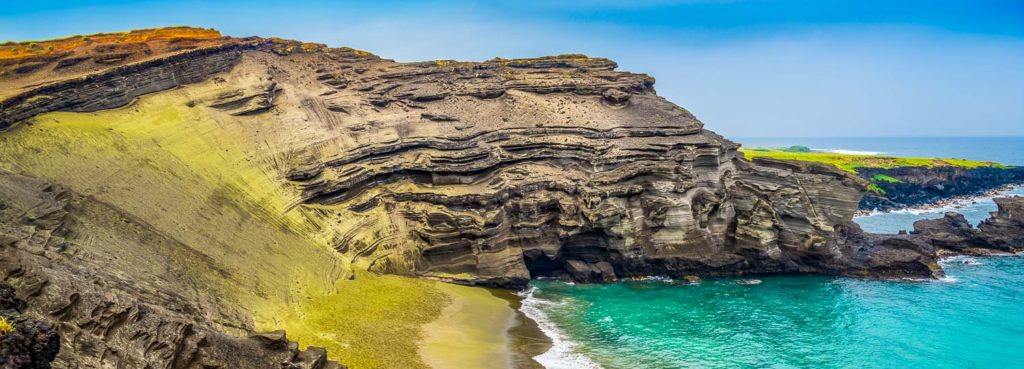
481	328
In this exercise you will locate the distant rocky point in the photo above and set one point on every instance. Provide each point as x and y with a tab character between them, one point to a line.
899	182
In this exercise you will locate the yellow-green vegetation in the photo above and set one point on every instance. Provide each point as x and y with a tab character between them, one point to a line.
874	188
884	178
213	183
5	326
850	163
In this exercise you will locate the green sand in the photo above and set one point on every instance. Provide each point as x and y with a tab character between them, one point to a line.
470	333
211	184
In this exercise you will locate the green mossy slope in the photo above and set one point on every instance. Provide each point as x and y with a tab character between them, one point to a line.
205	180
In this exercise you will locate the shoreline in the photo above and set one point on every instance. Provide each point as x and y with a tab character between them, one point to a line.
482	328
561	353
505	329
950	204
526	339
470	332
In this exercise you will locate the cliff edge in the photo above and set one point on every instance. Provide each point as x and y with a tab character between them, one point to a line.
264	183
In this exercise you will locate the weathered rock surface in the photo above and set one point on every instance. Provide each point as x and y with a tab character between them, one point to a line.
118	86
918	186
118	318
1005	228
29	343
480	173
952	232
500	171
1003	231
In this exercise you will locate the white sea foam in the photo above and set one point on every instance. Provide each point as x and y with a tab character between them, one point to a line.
953	204
563	354
960	259
849	152
948	279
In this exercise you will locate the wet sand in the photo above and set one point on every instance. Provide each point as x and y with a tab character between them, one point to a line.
526	340
482	328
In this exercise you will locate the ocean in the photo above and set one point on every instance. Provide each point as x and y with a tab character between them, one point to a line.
973	318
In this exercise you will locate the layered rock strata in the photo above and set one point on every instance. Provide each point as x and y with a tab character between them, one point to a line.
109	314
153	234
500	171
920	186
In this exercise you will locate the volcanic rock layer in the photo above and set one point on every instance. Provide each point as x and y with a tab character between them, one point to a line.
152	201
919	186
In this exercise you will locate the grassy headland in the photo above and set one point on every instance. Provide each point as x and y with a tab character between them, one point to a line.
851	162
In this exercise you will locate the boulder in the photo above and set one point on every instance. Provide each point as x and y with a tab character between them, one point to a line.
1004	229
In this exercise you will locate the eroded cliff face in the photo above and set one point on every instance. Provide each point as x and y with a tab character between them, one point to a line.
74	261
242	160
918	186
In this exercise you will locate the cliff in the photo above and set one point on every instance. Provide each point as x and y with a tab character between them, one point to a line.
165	205
916	186
903	182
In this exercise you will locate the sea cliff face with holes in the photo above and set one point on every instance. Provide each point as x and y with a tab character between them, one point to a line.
165	192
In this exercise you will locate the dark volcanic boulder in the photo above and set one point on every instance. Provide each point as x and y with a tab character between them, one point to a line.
1005	228
1002	231
25	343
952	231
886	256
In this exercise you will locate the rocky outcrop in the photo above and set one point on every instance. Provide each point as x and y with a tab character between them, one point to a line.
920	186
1003	231
505	170
118	86
24	342
888	256
951	232
129	65
105	317
1005	228
562	167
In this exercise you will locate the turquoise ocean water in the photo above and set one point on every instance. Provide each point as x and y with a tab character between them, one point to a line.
974	318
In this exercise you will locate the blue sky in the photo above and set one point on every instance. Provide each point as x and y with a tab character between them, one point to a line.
745	68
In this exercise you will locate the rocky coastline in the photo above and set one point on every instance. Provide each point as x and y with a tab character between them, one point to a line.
1001	233
171	206
954	203
921	187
